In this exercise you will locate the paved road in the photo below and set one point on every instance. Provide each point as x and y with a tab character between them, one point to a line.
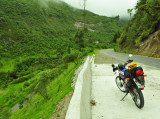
108	96
140	59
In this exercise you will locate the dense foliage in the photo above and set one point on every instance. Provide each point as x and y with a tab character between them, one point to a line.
40	47
29	28
145	22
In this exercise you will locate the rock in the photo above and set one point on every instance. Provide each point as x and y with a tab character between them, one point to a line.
93	102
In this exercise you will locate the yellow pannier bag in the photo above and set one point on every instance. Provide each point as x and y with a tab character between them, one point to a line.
132	65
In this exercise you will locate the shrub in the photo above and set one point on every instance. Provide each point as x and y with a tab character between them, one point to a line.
43	81
26	84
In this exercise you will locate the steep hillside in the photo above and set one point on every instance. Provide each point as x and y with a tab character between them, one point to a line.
40	47
151	46
139	31
31	27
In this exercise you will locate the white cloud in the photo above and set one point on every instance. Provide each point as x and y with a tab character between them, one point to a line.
105	7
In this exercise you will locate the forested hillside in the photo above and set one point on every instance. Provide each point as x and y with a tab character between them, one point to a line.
141	35
30	27
42	42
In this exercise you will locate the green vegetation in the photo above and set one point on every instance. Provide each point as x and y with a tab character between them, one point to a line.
41	44
145	22
37	106
28	28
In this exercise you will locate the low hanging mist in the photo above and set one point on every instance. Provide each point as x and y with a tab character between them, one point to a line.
44	3
109	8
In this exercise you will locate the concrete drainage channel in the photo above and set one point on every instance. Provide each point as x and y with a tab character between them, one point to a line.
79	107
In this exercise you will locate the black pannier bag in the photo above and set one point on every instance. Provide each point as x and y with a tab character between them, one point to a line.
127	73
137	73
139	68
134	70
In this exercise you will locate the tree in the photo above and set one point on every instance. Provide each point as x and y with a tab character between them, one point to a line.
84	14
130	12
116	36
43	81
117	17
79	39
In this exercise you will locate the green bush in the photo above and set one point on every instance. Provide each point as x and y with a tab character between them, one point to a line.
23	79
142	25
26	84
43	81
5	113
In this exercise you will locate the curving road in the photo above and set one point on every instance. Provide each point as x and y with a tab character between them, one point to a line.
154	62
107	95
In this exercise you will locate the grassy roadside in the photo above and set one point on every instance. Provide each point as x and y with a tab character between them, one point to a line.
36	107
101	58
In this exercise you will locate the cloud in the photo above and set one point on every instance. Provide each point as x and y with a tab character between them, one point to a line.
106	7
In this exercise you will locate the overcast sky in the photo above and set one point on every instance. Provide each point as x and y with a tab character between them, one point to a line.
106	7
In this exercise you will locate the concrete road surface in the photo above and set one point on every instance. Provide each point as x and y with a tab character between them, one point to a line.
108	96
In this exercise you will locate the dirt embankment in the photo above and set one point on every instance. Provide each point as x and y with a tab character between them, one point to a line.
62	107
81	25
151	46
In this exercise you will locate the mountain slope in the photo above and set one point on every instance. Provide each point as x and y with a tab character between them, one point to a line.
144	23
27	27
40	47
